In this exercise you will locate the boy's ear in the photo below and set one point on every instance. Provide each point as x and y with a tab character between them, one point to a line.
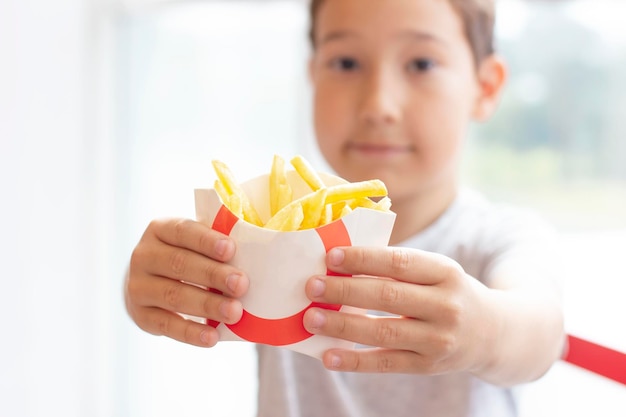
492	75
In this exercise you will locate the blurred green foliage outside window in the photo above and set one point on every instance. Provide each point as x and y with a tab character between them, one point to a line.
558	140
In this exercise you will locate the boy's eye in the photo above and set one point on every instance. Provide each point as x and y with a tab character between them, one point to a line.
344	64
421	64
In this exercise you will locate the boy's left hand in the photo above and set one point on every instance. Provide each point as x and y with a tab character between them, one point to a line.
442	323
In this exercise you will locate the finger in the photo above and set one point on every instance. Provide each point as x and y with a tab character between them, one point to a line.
397	297
179	297
405	264
378	361
185	265
387	332
195	236
165	323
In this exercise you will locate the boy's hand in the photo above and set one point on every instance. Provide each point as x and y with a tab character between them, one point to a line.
442	324
171	256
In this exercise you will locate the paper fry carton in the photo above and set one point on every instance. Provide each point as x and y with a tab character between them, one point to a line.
278	264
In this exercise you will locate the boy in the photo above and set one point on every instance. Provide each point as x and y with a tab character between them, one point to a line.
467	284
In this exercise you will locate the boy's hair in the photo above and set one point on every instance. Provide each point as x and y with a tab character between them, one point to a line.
478	17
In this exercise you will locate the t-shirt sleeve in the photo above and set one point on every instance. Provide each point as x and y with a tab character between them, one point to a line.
519	235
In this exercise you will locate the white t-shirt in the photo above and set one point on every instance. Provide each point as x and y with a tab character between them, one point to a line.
478	235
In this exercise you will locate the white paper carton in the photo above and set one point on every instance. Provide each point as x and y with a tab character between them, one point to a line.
279	264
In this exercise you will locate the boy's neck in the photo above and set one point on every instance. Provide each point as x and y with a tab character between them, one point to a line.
419	211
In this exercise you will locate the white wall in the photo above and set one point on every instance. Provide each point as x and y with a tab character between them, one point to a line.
51	216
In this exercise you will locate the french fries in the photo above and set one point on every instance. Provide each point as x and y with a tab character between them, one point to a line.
232	188
323	205
307	173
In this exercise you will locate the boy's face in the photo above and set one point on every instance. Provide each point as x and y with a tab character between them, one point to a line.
395	87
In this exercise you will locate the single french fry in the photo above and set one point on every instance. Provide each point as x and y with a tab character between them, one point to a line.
249	212
327	215
288	219
370	188
285	195
313	208
225	176
362	202
278	168
308	174
337	208
230	185
384	204
221	192
345	211
280	190
235	205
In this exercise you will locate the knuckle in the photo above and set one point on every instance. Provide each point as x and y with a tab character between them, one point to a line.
210	274
172	296
385	364
400	260
189	334
362	257
390	294
205	242
344	290
341	329
138	257
452	270
340	325
208	307
133	288
152	226
446	345
163	325
178	263
354	364
386	334
452	312
180	227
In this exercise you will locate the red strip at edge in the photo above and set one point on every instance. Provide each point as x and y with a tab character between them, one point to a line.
598	359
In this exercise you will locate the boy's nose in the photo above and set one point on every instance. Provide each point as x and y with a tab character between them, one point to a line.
381	99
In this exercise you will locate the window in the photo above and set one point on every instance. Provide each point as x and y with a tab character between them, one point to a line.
557	140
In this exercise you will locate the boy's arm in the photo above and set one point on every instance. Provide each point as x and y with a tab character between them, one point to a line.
527	301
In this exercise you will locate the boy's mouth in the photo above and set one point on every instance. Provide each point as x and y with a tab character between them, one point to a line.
379	150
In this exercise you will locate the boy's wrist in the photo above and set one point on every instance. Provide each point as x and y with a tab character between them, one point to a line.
522	334
488	350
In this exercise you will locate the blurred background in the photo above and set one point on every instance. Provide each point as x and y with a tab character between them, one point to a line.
111	111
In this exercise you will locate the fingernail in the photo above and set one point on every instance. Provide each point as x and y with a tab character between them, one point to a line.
335	257
318	287
232	282
205	338
335	361
225	310
222	247
318	319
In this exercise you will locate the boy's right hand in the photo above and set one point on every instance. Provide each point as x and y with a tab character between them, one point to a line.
172	255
